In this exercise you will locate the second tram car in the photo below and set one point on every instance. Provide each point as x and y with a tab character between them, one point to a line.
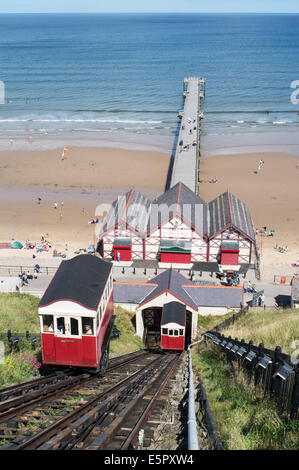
173	327
76	314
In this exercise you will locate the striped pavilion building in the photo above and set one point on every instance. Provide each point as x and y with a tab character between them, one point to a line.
179	228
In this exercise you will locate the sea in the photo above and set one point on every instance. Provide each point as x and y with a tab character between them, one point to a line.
117	79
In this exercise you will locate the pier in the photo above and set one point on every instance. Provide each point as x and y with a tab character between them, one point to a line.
186	160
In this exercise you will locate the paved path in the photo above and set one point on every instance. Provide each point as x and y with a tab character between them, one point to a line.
272	291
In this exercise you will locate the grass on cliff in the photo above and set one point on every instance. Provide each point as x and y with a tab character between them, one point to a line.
271	327
18	313
244	418
128	340
208	322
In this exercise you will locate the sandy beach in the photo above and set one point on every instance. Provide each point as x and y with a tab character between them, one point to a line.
272	195
85	178
88	177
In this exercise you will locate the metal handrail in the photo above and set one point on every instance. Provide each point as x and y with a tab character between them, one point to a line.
192	422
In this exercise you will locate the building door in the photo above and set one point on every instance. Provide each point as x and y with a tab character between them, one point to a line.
229	253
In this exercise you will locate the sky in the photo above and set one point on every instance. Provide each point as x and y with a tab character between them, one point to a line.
49	6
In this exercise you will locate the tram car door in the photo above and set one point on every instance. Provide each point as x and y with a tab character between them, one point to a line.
173	327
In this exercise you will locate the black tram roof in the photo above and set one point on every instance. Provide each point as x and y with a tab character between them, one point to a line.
174	312
81	279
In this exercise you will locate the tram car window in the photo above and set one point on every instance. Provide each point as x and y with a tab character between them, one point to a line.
78	303
47	323
87	326
173	327
60	325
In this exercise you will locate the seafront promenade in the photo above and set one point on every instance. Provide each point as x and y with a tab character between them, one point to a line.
186	160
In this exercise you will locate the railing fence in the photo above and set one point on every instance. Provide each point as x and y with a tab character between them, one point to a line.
272	370
13	342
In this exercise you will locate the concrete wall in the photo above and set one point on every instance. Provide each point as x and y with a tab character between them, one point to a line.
10	284
215	310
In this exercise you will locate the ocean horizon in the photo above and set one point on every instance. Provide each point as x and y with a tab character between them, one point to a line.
116	79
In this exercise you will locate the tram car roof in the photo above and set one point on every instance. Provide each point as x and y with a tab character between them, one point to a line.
174	312
81	279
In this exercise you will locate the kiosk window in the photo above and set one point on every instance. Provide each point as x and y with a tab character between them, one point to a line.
176	333
181	332
170	332
164	331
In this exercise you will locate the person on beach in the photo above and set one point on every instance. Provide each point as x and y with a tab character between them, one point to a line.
214	180
55	205
261	162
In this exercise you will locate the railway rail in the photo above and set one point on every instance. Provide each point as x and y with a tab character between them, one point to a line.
19	398
87	412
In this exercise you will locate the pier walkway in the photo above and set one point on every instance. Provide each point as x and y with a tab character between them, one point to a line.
185	167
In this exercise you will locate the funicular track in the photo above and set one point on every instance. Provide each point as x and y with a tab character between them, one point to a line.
90	414
17	396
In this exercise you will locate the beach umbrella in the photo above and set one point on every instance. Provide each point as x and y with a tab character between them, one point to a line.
17	245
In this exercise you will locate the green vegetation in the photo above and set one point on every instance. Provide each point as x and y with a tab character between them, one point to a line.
128	341
273	328
18	313
244	418
18	367
210	321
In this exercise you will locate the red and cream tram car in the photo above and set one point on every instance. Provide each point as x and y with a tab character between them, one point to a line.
173	327
76	314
